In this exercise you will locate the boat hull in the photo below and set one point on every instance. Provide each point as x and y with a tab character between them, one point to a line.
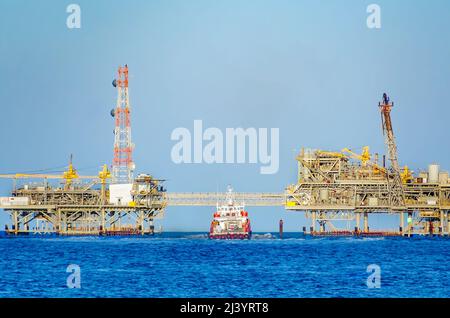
230	236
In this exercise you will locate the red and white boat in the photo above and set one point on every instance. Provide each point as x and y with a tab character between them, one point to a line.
230	220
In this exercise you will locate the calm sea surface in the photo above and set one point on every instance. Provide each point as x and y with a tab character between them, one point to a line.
190	265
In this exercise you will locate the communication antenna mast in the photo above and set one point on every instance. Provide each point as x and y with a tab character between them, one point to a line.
123	165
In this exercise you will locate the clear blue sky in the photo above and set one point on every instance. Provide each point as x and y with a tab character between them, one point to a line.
311	68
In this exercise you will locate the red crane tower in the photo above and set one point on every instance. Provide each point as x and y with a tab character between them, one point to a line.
397	196
123	165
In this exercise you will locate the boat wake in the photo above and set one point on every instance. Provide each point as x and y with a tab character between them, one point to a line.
196	236
263	236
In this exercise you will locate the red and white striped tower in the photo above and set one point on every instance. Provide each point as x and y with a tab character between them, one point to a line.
123	165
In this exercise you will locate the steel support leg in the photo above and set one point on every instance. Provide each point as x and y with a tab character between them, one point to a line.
366	222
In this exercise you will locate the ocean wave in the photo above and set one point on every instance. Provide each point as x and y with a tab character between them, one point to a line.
263	236
196	236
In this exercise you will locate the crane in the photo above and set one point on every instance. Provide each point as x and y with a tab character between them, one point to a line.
365	159
69	175
397	194
331	154
103	175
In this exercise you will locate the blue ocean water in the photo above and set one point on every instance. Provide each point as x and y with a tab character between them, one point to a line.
190	265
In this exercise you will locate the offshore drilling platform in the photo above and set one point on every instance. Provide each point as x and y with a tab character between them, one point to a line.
331	187
112	203
345	186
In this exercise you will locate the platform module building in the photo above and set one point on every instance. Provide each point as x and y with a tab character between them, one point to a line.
348	186
111	203
83	206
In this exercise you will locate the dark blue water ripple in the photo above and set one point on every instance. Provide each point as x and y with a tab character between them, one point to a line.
189	265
